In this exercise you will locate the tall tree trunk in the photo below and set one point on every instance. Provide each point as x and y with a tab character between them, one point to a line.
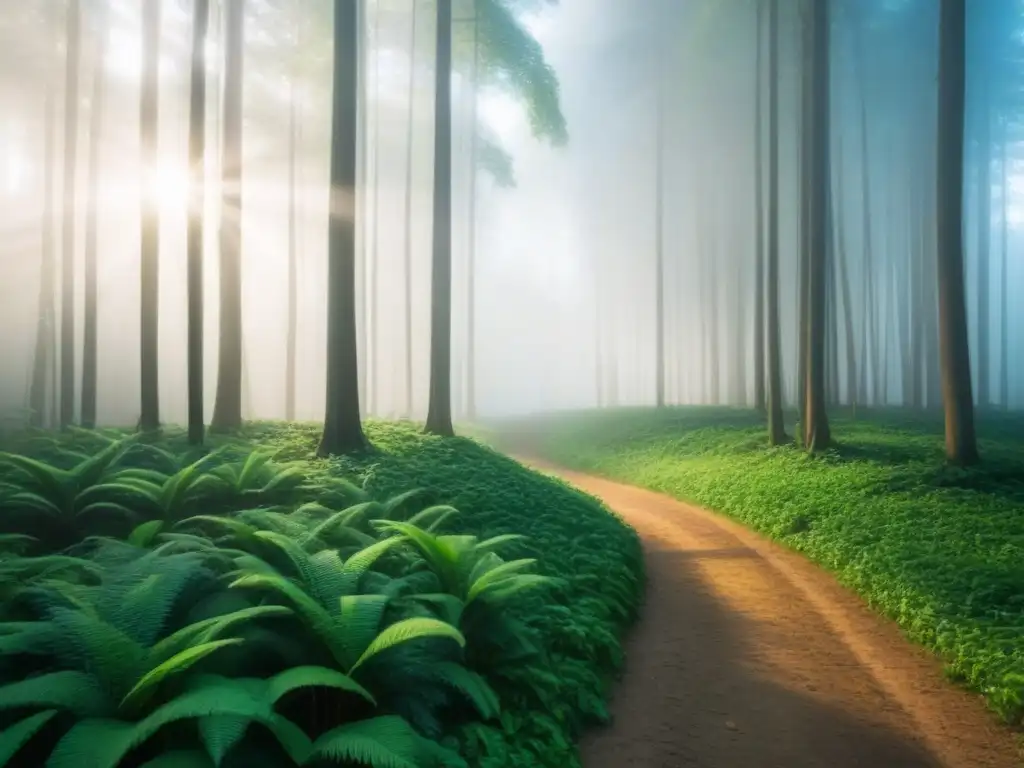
372	336
90	340
45	321
149	419
439	411
805	173
816	428
961	444
197	156
343	431
759	383
776	426
362	186
1004	277
839	234
73	42
984	288
407	245
471	235
227	408
292	337
659	233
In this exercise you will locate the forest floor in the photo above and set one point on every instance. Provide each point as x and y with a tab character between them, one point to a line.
939	550
549	647
747	654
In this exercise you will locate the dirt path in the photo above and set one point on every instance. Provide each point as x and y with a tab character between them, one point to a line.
748	656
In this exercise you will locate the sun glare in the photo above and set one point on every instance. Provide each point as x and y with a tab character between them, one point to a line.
167	185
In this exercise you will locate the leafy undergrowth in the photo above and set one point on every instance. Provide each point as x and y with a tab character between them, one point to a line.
937	548
429	602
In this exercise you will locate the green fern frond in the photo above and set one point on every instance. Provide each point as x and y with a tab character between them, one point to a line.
76	692
295	678
13	738
316	618
469	684
15	542
207	630
380	742
181	758
432	515
359	618
489	545
405	631
144	534
395	503
220	733
175	665
496	574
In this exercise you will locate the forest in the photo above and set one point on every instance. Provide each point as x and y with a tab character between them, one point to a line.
511	383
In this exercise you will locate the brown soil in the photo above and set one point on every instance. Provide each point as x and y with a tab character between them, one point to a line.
749	656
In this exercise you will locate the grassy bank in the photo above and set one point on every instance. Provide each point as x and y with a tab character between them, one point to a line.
938	549
257	553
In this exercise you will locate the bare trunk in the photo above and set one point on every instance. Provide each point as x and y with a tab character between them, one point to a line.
407	247
776	426
439	409
961	444
759	383
68	215
471	236
197	156
149	419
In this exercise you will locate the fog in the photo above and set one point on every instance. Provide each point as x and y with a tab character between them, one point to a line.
565	283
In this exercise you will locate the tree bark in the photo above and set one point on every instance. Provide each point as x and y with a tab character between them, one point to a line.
197	154
1004	308
776	426
471	236
45	322
227	408
817	435
73	43
439	411
759	382
90	340
407	245
149	419
372	337
961	444
343	431
984	287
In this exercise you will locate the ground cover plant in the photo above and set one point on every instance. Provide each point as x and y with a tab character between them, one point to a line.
429	602
940	549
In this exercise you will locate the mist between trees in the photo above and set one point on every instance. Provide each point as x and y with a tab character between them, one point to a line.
616	180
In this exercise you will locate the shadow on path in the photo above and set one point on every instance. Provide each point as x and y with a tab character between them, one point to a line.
748	656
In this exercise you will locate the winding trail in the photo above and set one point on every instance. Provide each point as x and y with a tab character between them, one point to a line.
749	656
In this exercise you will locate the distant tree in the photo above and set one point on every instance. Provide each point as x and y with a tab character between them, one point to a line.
759	326
776	425
197	154
815	422
292	332
439	411
227	408
343	430
73	44
45	346
90	341
660	86
407	212
961	443
149	419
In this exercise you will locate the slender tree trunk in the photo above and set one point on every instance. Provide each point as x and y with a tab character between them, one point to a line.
817	435
471	238
844	280
362	186
372	336
90	340
1004	278
776	426
73	42
806	182
343	431
759	382
149	419
984	288
292	339
197	156
439	411
407	245
227	408
45	322
961	444
659	234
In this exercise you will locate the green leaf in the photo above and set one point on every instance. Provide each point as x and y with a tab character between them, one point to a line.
295	678
494	575
76	692
143	535
173	666
18	735
406	630
181	758
381	742
208	629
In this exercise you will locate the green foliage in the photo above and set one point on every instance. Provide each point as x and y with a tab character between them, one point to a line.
254	612
940	549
